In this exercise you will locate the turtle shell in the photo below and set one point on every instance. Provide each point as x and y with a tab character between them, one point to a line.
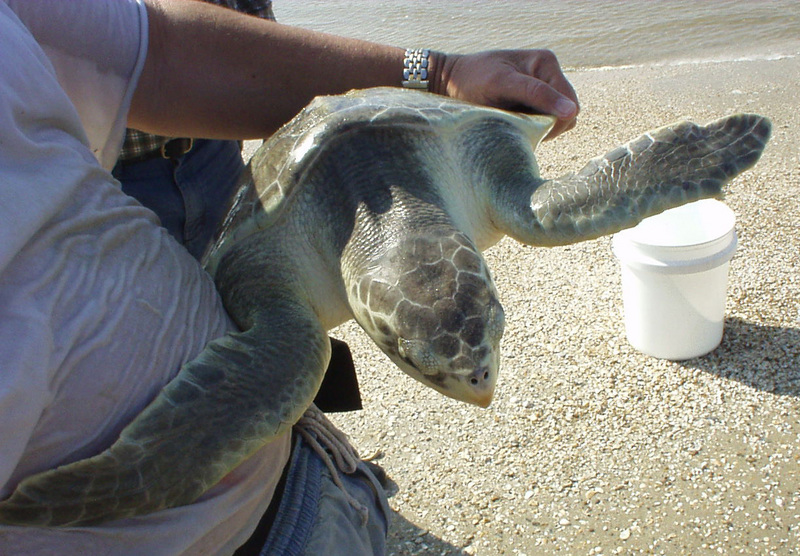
275	172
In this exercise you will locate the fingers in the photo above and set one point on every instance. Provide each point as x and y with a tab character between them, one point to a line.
560	99
524	93
560	127
524	80
543	66
542	98
545	89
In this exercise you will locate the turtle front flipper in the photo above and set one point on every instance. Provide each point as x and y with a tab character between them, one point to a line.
662	169
243	391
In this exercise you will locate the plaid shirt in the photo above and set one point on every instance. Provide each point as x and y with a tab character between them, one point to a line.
138	143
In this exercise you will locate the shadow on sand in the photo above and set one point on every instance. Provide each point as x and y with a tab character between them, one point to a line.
763	357
406	538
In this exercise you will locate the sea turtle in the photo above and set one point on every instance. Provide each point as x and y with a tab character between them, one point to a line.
373	205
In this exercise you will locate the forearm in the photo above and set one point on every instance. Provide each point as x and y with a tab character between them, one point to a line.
215	73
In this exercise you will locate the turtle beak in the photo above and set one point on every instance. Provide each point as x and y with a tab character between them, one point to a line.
476	388
472	383
482	397
483	401
481	388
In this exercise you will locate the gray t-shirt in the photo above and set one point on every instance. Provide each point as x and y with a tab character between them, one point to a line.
99	306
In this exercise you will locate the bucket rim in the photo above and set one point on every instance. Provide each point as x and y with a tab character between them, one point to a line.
630	234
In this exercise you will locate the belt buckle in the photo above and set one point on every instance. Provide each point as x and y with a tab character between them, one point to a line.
175	148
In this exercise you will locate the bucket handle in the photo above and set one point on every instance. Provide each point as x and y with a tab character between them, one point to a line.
687	267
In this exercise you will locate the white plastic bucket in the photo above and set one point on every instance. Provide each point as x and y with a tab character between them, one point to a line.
675	277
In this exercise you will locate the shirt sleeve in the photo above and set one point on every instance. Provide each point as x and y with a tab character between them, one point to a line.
97	49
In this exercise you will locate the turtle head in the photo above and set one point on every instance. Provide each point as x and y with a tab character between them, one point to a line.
431	305
450	363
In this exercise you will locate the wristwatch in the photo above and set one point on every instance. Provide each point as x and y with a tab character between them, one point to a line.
415	68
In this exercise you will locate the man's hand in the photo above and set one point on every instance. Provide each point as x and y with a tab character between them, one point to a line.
524	80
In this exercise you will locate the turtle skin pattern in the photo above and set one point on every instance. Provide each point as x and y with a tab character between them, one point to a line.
373	205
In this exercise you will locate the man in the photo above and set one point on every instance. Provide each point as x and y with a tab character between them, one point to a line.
99	306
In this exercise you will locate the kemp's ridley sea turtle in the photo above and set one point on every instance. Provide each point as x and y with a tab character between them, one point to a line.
373	205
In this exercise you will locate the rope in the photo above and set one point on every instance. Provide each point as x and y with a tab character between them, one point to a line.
326	440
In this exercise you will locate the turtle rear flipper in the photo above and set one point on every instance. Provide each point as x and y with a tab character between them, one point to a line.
243	391
662	169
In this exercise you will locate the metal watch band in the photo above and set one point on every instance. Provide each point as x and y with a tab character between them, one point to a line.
415	68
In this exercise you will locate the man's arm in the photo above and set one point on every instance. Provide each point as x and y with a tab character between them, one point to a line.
215	73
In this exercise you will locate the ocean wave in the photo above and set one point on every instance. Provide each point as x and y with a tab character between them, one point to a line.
688	62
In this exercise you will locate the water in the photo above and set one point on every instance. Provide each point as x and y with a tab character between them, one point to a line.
584	34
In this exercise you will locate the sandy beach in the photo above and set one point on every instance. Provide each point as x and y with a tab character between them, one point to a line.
591	447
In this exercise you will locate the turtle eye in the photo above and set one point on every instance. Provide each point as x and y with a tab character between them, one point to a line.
401	351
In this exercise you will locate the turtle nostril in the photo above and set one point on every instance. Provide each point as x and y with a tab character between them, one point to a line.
479	377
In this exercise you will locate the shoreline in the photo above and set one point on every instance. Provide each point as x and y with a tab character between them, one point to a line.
767	57
591	447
